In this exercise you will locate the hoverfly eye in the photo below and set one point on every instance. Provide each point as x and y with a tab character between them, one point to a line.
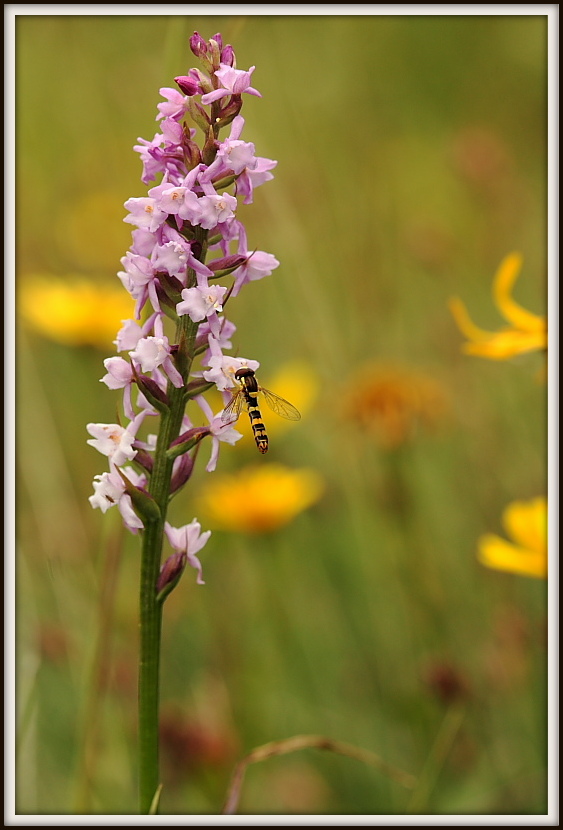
242	373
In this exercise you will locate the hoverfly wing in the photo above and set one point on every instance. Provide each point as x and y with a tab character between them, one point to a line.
233	408
281	407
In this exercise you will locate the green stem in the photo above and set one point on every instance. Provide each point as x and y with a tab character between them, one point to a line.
150	608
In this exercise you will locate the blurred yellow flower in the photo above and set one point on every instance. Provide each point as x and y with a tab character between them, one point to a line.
75	312
527	332
393	403
90	226
297	382
526	524
258	499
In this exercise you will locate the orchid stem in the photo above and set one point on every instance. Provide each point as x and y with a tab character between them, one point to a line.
150	607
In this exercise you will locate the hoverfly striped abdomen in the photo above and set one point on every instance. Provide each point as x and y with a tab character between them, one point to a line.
248	394
250	391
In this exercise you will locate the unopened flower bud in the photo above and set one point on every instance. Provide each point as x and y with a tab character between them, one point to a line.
192	154
198	45
170	573
166	304
171	285
188	85
143	503
201	50
183	469
223	266
218	39
145	460
228	55
186	441
152	392
214	51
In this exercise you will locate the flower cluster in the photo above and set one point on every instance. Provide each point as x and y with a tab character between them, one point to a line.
189	256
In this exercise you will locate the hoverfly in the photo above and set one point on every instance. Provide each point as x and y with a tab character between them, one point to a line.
248	394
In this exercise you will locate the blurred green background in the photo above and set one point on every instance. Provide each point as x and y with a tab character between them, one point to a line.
411	159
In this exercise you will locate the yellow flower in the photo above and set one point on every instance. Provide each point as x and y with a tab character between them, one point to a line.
527	332
526	523
258	499
75	312
297	382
